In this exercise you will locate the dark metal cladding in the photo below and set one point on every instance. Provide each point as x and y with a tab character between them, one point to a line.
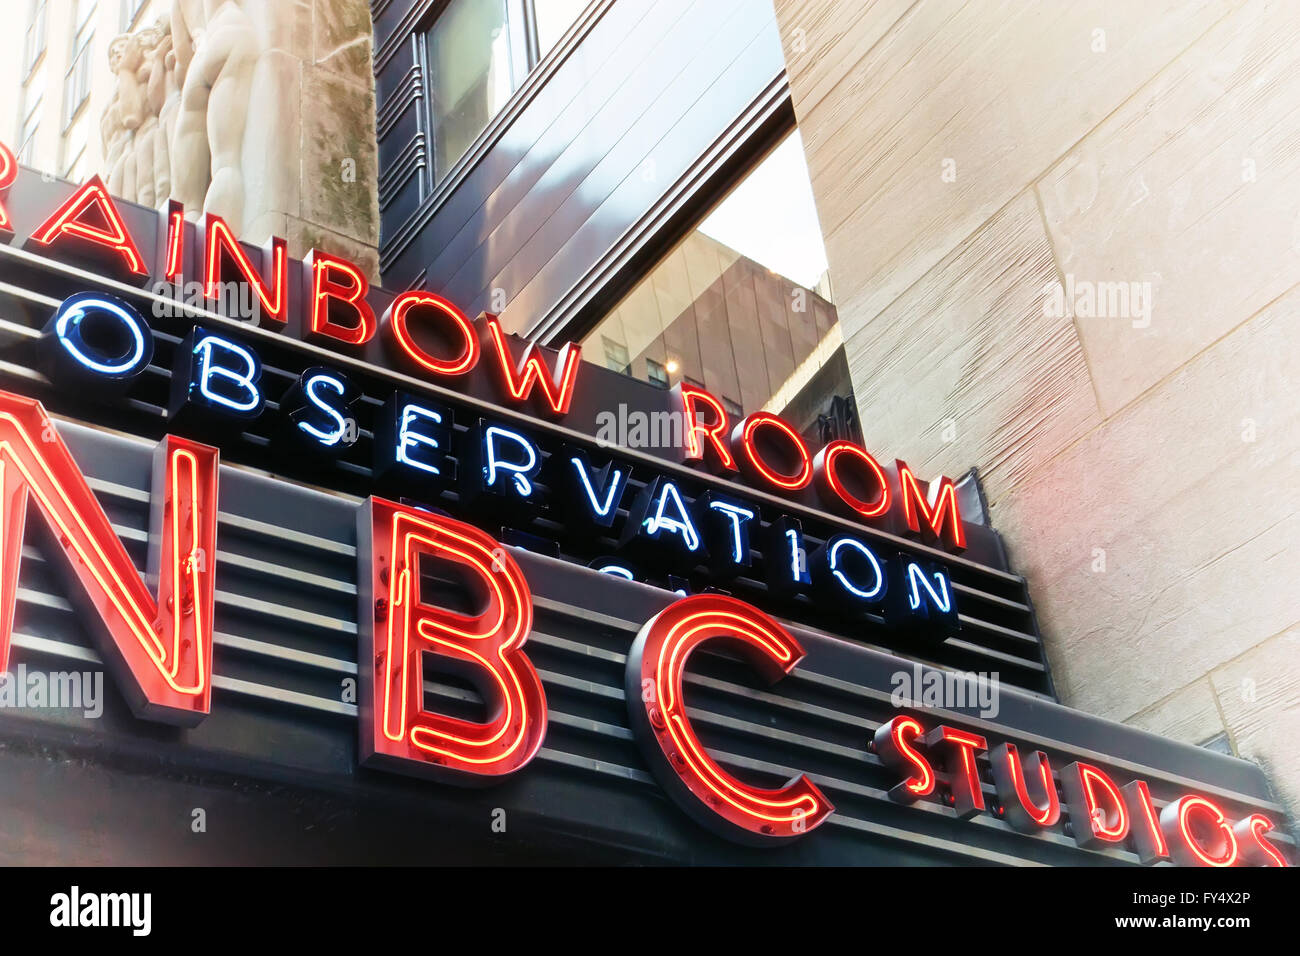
276	759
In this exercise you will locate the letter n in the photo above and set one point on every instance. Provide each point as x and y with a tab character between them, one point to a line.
405	556
159	647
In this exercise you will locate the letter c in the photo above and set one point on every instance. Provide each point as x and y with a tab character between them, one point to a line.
656	666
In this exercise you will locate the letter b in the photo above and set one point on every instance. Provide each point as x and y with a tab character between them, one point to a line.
399	627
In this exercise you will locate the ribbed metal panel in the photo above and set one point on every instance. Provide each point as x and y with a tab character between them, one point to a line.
998	632
286	639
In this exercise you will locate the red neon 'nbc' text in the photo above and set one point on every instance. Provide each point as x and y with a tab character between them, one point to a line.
162	643
655	670
399	628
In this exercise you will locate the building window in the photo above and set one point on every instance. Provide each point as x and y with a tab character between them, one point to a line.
553	19
33	101
742	304
477	53
656	374
616	357
76	85
74	150
27	139
131	10
34	46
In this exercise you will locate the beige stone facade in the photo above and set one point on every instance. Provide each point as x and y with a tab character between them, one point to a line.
1065	241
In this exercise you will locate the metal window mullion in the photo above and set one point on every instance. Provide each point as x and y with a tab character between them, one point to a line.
426	114
531	36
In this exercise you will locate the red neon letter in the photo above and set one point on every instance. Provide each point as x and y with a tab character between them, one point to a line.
1093	824
220	244
174	256
163	643
399	628
1256	849
557	387
940	511
1198	833
700	433
893	747
1026	812
653	688
1147	838
8	176
963	772
834	492
746	435
336	283
108	233
398	319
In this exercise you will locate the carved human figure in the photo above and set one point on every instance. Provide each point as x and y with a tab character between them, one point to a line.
149	140
125	59
167	116
114	136
218	53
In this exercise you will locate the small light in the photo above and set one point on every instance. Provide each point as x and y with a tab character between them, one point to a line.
672	366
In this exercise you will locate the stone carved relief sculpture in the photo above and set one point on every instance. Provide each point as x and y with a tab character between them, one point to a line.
206	109
148	141
169	113
132	127
115	137
183	101
217	50
126	113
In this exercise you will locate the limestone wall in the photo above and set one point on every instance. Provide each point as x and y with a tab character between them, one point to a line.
1065	241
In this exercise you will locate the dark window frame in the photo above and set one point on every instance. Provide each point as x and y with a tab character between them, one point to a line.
522	63
738	151
656	374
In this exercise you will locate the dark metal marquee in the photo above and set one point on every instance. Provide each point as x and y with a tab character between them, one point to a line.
274	766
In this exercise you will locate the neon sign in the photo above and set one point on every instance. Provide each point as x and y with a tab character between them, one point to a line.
162	645
75	357
653	689
217	383
432	338
399	626
1191	830
90	219
159	644
163	641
